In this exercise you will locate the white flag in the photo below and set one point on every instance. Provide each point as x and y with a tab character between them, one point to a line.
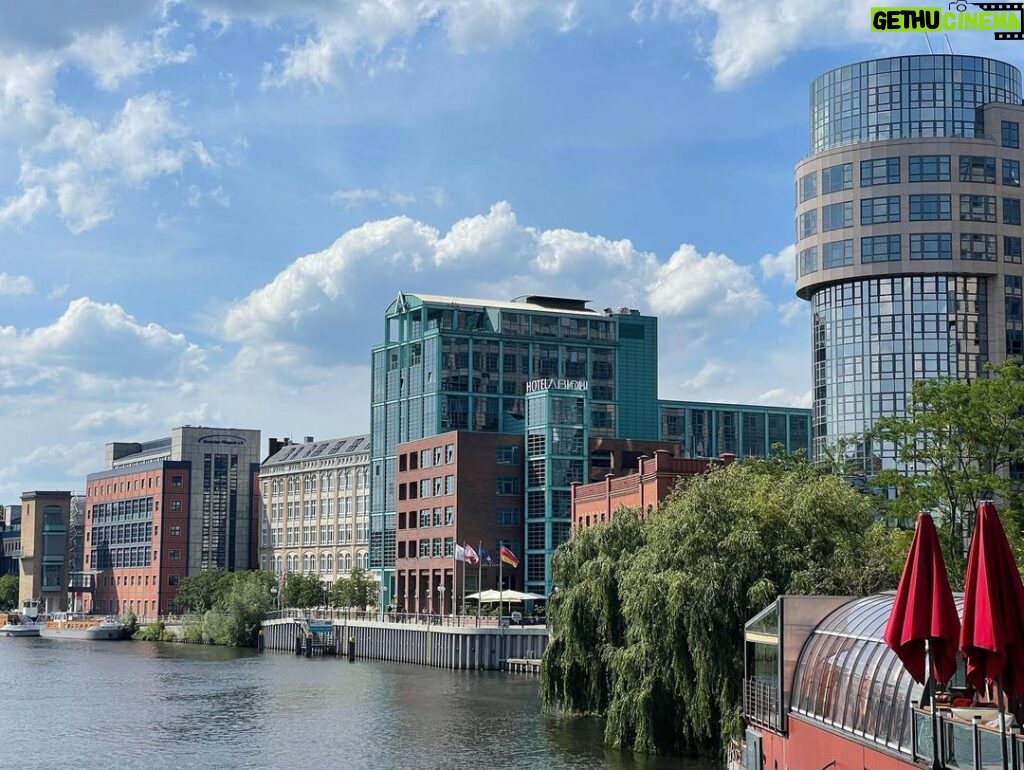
460	553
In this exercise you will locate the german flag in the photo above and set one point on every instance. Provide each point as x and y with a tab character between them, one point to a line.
507	557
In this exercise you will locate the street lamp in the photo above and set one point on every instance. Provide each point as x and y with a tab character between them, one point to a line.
273	594
440	590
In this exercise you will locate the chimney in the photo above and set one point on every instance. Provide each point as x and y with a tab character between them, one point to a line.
274	446
307	440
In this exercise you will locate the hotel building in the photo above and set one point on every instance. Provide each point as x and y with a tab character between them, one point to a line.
165	509
551	370
908	220
314	507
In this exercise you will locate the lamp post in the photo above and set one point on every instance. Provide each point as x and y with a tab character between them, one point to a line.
274	597
440	591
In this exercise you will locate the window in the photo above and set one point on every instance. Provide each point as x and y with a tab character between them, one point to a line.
880	248
424	458
880	171
508	455
172	580
979	247
977	208
175	505
1011	173
424	517
175	530
1011	134
508	517
929	168
837	254
508	485
931	246
807	262
836	178
976	168
438	486
838	215
438	455
424	487
176	481
1011	249
930	208
449	451
807	224
874	211
1011	211
449	515
807	187
175	554
449	485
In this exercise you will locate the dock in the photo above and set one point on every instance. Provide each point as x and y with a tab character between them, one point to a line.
523	665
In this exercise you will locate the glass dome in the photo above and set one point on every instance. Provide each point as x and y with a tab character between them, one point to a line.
849	679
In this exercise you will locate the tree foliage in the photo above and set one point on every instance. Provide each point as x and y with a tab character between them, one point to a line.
357	590
956	447
647	624
8	592
302	591
225	607
199	592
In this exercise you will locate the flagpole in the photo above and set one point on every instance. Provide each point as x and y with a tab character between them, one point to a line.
501	585
455	578
463	587
479	577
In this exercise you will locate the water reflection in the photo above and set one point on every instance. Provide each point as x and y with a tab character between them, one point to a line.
103	705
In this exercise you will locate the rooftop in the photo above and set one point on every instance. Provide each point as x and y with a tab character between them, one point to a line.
321	450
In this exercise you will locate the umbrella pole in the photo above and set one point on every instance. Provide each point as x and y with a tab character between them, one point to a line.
936	758
1002	722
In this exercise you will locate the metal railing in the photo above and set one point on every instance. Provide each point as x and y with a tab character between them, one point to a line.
455	621
761	703
967	739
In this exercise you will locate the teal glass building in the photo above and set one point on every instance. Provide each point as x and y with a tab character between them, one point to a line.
452	363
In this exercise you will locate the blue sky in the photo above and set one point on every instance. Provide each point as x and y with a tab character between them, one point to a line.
206	205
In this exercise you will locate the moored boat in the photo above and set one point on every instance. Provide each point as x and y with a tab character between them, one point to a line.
69	625
25	622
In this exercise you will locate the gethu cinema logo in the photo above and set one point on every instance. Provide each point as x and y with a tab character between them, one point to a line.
1004	19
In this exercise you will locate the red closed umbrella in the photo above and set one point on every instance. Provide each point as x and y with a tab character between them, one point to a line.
992	638
924	610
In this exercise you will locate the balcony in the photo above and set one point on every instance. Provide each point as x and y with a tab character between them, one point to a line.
968	738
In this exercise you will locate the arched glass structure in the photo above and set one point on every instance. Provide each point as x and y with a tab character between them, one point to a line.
849	679
907	96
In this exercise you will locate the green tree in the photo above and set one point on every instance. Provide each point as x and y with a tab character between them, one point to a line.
647	625
956	446
8	592
200	592
357	590
235	618
302	591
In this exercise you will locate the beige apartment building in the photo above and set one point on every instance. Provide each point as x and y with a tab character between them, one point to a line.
314	515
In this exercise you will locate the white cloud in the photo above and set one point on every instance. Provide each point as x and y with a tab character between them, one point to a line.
781	264
20	209
712	374
783	397
129	415
112	59
699	287
13	285
792	310
752	36
358	195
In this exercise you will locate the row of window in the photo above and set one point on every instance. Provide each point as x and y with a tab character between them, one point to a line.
427	458
307	563
888	248
920	168
131	484
276	537
311	509
934	207
310	482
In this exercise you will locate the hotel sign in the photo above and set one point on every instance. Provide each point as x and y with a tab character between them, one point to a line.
535	386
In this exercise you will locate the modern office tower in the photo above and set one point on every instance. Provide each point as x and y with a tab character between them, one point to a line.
908	219
165	509
43	570
449	363
314	512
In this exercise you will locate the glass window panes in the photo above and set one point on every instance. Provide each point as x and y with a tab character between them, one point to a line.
976	168
837	254
924	208
880	171
878	210
836	178
1011	211
977	208
807	224
880	248
1010	134
838	215
808	187
1011	249
807	261
931	246
928	168
1011	172
978	246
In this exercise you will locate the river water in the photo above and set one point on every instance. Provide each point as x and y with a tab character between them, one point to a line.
77	704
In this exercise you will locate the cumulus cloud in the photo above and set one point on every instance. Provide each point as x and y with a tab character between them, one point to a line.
13	285
782	264
792	310
712	374
112	59
359	195
699	286
783	397
129	415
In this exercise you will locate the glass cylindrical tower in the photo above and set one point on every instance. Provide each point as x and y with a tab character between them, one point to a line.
908	233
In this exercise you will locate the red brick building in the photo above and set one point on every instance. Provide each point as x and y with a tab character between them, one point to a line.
136	529
457	487
645	488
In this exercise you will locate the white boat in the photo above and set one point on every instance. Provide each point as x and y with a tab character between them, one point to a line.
26	622
71	625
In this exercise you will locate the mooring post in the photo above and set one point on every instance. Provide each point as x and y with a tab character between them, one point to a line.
351	649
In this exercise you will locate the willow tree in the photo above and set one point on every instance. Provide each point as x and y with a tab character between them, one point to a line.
719	550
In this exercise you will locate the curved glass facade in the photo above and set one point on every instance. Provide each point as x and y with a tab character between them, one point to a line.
848	678
873	337
907	96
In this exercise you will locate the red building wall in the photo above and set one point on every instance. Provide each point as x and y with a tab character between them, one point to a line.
811	747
